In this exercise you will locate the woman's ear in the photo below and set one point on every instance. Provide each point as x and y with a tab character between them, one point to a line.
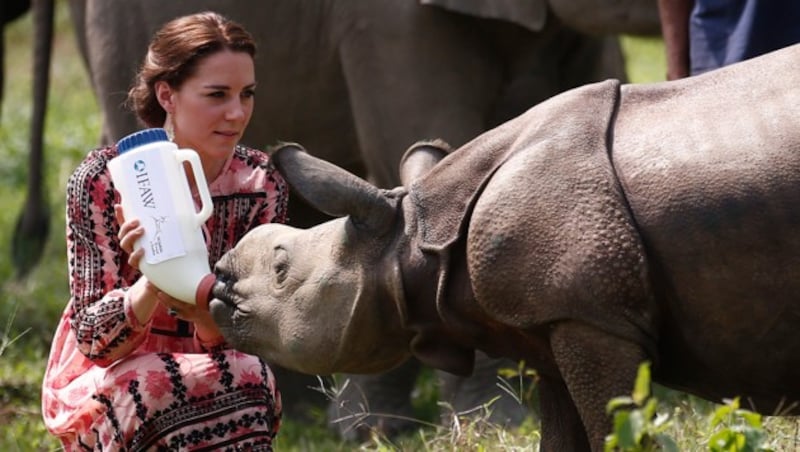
164	96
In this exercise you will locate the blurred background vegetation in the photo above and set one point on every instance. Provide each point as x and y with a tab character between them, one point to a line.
30	308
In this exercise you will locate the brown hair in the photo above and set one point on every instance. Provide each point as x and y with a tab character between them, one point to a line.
174	53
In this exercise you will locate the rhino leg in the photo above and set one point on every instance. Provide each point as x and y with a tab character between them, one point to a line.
379	403
596	367
299	392
561	428
382	403
466	395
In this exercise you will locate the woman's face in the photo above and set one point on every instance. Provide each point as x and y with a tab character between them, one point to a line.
212	108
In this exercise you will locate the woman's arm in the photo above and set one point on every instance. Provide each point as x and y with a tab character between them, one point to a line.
109	315
675	16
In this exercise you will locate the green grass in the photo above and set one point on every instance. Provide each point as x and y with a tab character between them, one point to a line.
29	309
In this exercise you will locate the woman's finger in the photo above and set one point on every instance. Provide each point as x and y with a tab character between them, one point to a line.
119	214
129	233
128	226
135	257
128	240
181	310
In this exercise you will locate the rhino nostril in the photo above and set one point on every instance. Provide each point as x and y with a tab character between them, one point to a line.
223	288
219	286
223	277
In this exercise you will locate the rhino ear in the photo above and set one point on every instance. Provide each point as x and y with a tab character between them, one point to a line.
331	189
420	158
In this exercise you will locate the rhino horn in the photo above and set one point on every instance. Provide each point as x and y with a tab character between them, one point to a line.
420	158
331	189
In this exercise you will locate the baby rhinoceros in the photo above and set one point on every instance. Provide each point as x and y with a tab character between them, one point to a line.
610	225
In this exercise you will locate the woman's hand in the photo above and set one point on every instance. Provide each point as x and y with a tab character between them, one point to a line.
129	233
143	294
207	330
144	291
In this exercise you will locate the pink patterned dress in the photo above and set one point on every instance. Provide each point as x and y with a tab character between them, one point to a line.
114	384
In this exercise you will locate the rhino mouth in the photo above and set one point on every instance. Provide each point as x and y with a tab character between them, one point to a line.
223	291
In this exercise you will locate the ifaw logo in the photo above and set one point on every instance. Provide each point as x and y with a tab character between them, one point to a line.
139	166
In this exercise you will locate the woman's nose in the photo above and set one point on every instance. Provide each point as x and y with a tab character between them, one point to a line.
235	111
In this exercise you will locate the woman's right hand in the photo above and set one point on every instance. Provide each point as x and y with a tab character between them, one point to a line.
143	294
129	233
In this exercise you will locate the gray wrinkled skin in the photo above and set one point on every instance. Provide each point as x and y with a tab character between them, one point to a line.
609	225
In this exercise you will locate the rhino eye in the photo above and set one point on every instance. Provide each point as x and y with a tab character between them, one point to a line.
280	265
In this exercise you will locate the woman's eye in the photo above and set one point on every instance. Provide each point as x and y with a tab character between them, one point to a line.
217	94
249	93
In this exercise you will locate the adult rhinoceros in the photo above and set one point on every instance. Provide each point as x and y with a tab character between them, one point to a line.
607	226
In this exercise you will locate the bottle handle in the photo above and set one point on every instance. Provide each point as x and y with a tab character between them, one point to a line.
188	155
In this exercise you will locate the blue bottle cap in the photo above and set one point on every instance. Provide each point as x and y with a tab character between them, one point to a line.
140	138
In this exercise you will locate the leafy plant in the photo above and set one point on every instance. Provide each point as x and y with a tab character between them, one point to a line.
741	430
638	427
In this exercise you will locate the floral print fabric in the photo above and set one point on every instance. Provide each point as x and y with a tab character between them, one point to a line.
112	383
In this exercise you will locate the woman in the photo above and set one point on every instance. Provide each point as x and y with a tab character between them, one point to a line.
130	367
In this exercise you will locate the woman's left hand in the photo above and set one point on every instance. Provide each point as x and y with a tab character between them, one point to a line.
207	330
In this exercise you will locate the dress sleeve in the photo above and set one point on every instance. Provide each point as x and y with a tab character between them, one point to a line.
209	346
99	276
275	209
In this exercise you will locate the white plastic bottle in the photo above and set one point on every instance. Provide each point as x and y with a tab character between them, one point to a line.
150	177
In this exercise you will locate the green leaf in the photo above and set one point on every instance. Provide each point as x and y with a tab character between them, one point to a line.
641	390
724	412
617	403
637	424
721	441
753	419
754	438
611	442
626	436
649	409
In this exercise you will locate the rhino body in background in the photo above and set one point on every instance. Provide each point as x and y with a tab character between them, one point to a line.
607	226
